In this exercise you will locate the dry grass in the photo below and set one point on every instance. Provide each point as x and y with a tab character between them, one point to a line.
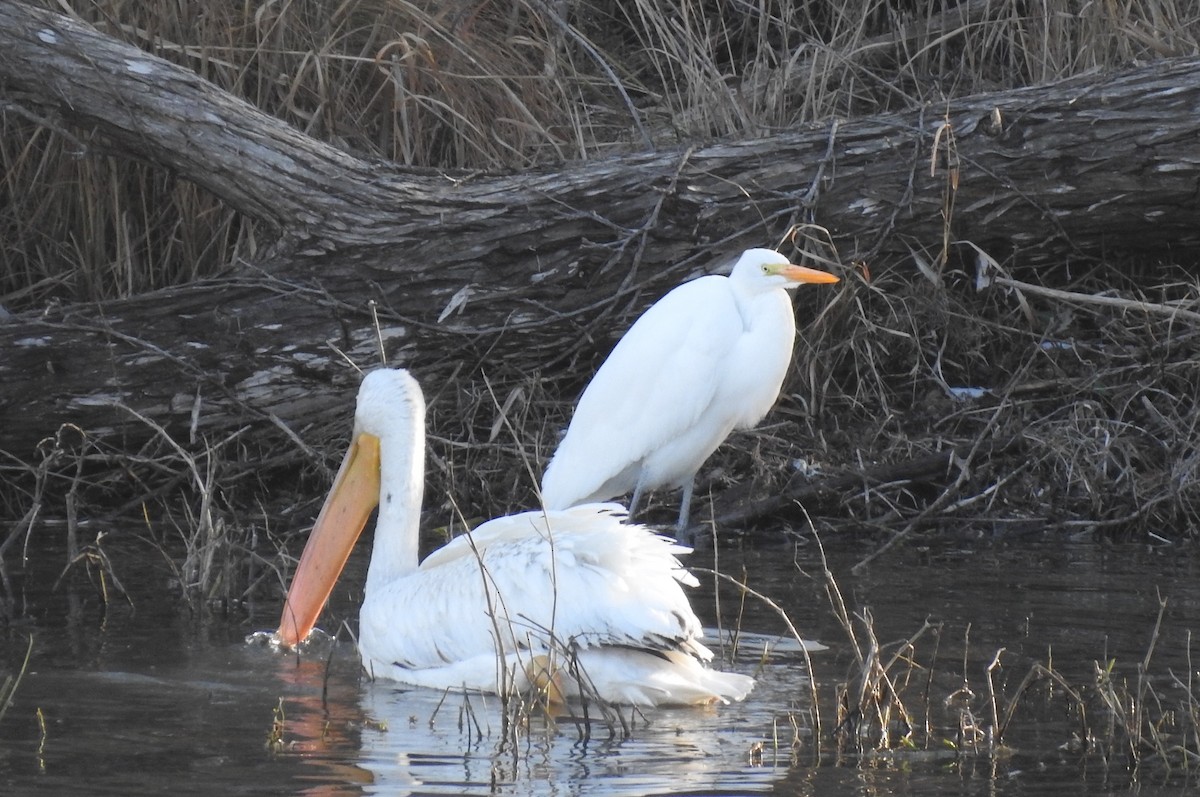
909	701
205	514
1084	419
1070	412
476	85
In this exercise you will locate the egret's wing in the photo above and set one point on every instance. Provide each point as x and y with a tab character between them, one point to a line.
654	386
577	577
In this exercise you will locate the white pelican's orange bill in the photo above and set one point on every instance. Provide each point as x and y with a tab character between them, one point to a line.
355	493
805	274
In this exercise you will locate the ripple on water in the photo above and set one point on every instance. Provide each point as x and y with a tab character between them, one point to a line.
136	702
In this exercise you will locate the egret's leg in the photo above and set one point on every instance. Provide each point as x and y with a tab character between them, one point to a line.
637	495
685	509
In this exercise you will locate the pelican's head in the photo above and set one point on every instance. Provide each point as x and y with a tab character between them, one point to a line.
762	269
389	423
389	401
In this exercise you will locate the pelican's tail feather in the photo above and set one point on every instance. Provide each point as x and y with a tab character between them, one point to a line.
628	676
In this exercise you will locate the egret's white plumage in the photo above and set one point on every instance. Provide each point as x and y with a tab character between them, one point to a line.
578	593
707	358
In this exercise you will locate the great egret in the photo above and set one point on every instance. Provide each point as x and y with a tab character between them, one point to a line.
574	601
707	358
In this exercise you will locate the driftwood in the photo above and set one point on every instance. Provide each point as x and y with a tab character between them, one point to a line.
537	271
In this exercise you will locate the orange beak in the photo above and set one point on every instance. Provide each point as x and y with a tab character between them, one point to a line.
805	274
355	493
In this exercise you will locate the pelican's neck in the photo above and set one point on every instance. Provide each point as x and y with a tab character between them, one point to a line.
401	486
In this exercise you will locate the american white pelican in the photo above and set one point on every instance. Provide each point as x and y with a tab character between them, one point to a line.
574	601
707	358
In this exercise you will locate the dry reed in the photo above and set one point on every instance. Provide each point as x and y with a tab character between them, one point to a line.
470	84
906	701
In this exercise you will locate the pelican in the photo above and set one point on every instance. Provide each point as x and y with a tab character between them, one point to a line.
575	601
707	358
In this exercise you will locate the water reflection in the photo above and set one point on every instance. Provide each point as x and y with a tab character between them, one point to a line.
138	699
318	723
418	741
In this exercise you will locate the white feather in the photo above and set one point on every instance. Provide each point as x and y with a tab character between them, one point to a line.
600	600
707	358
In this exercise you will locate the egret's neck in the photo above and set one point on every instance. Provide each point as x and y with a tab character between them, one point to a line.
401	486
754	302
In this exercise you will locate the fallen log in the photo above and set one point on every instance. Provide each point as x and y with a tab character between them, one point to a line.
537	272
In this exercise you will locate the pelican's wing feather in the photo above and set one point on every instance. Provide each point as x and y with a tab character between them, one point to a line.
510	528
563	580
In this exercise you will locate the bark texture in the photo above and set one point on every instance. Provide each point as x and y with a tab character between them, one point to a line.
538	271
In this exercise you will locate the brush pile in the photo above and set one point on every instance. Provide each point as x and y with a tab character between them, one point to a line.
969	392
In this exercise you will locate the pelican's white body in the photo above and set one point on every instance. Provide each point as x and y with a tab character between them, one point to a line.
578	588
707	358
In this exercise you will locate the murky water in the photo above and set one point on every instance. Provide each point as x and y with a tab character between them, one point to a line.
139	699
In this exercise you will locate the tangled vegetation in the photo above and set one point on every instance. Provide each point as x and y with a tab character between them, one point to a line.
1055	402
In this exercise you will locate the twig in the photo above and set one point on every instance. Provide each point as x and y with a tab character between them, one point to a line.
1150	308
964	473
992	689
812	681
11	682
1037	672
590	49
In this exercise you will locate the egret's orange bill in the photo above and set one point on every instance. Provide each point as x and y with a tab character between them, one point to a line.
805	274
355	493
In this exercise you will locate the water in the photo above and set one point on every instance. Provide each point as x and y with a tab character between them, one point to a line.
139	698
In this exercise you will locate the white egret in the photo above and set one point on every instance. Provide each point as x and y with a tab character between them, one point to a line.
575	601
707	358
